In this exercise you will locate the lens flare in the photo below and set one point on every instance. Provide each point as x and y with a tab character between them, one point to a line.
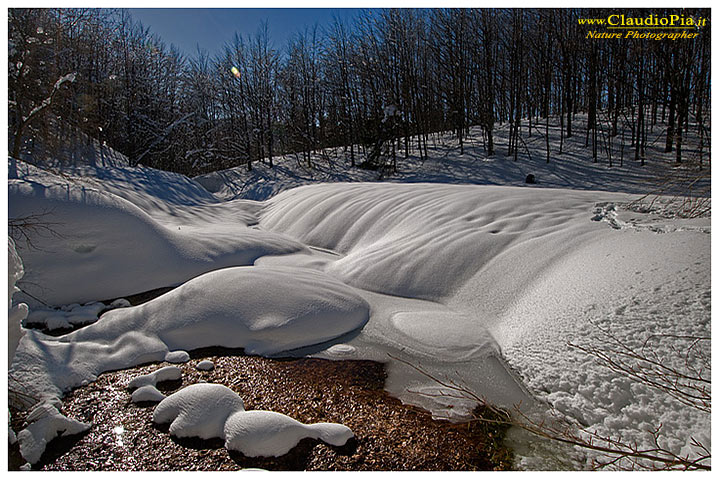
235	72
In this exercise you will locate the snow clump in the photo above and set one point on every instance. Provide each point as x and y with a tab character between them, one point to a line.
48	423
178	356
205	365
164	374
199	410
208	410
16	313
147	393
261	433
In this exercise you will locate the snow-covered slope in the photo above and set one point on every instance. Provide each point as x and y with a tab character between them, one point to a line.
614	171
66	146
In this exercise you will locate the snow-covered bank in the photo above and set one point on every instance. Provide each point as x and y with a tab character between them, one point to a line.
16	311
427	240
264	310
88	243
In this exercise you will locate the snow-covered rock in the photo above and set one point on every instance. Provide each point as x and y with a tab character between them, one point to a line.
164	374
178	356
199	410
205	365
147	393
16	313
120	303
261	433
47	423
67	316
208	410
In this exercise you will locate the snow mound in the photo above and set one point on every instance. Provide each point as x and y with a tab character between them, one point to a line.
208	410
199	410
264	310
260	433
420	240
164	374
115	247
178	356
147	393
47	423
16	313
205	365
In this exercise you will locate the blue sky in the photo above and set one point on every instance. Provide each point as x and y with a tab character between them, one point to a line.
211	28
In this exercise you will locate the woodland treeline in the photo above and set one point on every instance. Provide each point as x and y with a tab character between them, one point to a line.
395	74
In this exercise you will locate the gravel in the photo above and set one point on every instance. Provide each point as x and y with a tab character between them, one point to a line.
388	434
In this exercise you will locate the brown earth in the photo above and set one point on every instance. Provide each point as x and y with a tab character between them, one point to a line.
388	434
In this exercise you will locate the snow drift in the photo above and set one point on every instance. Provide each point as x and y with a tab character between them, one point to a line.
18	312
114	247
46	423
264	310
425	240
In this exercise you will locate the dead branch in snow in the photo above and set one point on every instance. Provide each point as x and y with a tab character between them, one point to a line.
555	426
25	229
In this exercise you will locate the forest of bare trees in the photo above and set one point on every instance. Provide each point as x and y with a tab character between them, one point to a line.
377	86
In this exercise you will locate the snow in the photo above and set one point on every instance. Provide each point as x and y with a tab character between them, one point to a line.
147	393
457	266
207	410
115	247
226	308
205	365
178	356
665	291
18	312
164	374
199	410
47	424
70	77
